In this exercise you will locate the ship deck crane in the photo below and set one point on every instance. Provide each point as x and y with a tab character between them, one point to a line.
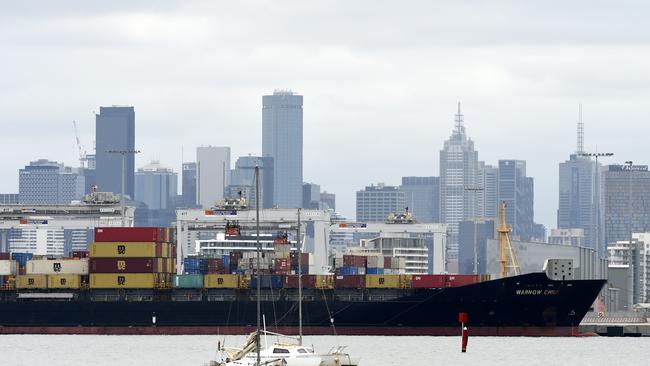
508	257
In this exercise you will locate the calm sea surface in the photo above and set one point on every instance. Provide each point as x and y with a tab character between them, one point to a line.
196	350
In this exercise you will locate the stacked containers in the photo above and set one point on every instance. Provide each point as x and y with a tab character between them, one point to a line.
126	257
375	265
8	269
60	274
21	259
306	259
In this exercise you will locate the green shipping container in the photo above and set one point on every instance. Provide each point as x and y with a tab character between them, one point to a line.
188	281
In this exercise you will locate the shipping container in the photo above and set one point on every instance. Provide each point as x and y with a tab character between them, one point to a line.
79	254
383	281
221	281
428	281
22	258
64	281
34	281
188	281
125	250
129	234
126	265
57	266
308	281
4	256
347	271
352	281
462	280
375	261
8	267
125	280
267	282
374	271
388	262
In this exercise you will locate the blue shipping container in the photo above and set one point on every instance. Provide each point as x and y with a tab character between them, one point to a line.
267	282
375	271
346	271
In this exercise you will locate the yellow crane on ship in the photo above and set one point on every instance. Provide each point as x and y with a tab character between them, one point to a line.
508	257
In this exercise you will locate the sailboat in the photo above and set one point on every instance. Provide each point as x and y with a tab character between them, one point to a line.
289	353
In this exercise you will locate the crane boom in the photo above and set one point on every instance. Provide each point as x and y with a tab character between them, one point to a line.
508	258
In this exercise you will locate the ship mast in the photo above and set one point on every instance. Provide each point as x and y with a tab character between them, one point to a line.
257	269
508	257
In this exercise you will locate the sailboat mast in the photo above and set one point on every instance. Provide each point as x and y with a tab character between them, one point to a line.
298	241
257	269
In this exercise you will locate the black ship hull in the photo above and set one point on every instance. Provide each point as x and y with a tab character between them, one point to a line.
529	304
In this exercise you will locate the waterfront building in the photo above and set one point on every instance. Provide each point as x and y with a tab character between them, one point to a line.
44	181
619	183
212	174
574	237
422	197
458	172
376	202
115	130
635	255
282	139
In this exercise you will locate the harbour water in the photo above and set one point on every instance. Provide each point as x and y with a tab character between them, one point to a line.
71	350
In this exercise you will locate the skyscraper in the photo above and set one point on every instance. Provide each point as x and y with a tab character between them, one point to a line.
458	175
328	200
516	189
423	197
619	182
489	191
577	198
115	130
376	202
242	179
156	186
49	182
311	196
212	174
282	140
189	184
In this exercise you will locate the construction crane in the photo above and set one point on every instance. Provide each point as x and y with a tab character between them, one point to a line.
508	256
82	152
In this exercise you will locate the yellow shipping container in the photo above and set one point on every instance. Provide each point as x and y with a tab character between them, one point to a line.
63	281
406	281
123	250
221	281
34	281
324	281
382	281
124	280
170	265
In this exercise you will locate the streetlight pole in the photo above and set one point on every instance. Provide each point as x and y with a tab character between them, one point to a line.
124	153
633	251
597	188
475	223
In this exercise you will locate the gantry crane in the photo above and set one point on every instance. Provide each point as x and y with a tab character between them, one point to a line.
508	256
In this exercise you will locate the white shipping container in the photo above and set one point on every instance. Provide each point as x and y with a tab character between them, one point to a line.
376	261
57	266
7	267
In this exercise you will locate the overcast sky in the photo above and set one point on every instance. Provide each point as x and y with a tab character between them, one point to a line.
380	81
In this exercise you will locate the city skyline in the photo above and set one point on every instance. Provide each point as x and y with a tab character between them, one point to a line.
520	96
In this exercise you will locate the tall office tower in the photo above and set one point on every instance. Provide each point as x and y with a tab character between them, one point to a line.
242	179
9	198
328	200
423	197
458	175
311	196
156	186
489	191
619	183
282	140
189	184
49	182
376	202
212	174
578	200
115	130
516	189
472	245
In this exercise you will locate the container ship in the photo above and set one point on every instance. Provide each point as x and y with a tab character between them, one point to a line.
126	284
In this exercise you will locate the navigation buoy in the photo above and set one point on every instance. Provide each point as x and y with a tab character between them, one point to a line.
465	339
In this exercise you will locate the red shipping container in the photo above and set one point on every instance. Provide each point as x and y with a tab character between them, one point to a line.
129	234
462	280
124	265
4	256
428	281
78	254
387	262
308	281
350	281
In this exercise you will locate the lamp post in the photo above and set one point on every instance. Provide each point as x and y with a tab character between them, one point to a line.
475	190
633	251
124	153
597	187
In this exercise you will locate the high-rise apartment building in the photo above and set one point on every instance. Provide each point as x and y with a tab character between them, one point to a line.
459	175
282	139
626	195
516	190
423	197
376	202
156	186
212	174
189	185
49	182
115	131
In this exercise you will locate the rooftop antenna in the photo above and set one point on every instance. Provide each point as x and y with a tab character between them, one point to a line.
581	132
460	129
